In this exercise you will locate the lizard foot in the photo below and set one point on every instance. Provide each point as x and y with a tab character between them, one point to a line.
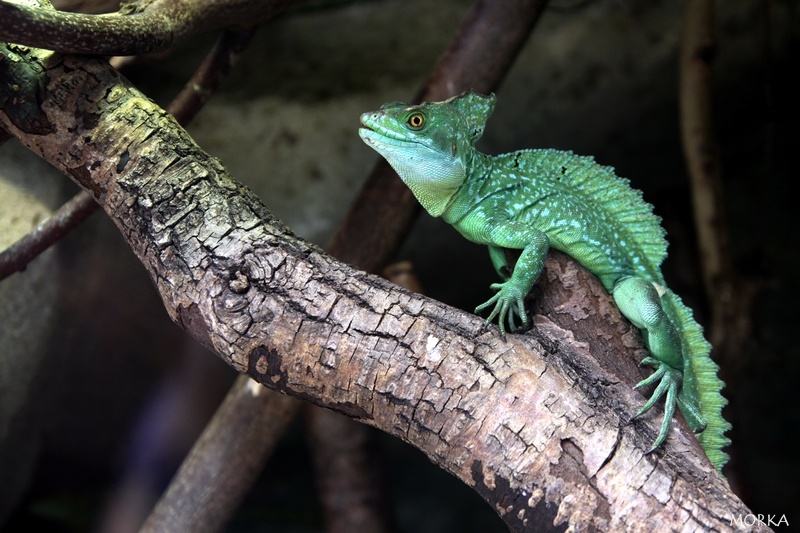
669	382
508	301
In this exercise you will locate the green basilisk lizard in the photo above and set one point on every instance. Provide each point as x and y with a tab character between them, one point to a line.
533	200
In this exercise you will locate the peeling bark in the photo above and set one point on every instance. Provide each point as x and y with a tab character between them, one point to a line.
534	423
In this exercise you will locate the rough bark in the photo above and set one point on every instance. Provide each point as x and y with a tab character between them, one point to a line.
479	56
533	423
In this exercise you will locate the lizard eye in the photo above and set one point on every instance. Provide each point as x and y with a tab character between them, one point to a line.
416	121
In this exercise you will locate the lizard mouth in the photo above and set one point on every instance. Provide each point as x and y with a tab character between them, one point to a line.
374	133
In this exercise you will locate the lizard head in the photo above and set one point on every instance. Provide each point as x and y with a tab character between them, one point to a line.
429	145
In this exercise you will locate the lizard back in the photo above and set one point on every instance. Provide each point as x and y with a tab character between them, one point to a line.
583	207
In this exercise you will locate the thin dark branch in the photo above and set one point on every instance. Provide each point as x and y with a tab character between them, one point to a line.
210	74
698	49
350	473
225	461
729	295
17	256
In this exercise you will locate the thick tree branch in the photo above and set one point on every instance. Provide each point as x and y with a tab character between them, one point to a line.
534	423
184	107
141	26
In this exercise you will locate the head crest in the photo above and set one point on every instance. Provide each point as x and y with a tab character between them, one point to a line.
475	108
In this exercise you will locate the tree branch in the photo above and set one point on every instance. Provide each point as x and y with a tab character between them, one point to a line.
141	26
49	231
533	423
730	297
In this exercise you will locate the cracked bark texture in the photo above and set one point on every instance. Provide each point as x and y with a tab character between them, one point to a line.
534	423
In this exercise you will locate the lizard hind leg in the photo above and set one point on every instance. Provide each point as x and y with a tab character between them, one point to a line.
669	381
640	302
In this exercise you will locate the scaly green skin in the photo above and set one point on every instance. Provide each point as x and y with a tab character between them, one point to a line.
533	200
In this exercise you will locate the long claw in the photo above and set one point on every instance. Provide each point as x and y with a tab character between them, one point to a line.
663	386
669	381
651	361
669	412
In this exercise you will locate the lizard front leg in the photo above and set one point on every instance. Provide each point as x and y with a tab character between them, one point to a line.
510	297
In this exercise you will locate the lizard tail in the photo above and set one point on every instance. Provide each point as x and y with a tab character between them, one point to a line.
700	382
